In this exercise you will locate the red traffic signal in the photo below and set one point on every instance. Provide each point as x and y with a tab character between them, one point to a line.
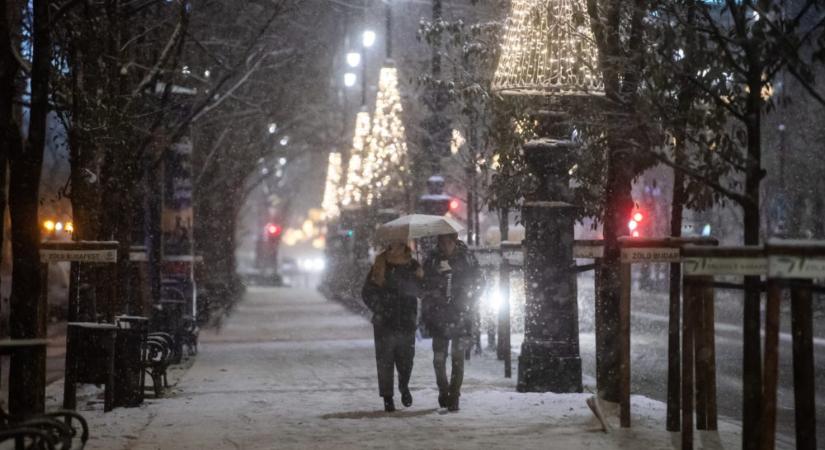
633	224
273	229
453	204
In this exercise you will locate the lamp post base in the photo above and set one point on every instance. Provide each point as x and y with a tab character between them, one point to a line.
539	370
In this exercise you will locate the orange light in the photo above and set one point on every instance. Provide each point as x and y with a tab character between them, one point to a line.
632	225
453	204
69	227
638	217
48	225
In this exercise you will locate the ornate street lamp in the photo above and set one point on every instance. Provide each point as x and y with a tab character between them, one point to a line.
548	50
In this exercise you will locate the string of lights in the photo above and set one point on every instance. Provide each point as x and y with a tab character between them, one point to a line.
357	178
388	144
332	187
548	49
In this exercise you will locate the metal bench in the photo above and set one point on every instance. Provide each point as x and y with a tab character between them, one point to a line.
64	430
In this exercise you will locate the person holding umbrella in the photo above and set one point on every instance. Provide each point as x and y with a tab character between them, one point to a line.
391	292
452	283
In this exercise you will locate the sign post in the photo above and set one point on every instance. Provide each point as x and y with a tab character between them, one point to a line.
791	264
647	250
700	265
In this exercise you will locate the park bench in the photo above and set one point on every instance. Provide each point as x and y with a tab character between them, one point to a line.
64	430
157	357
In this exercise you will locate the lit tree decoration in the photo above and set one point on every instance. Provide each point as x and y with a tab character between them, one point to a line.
333	186
548	48
387	156
358	176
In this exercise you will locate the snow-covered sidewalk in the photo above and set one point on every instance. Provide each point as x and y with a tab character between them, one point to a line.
291	370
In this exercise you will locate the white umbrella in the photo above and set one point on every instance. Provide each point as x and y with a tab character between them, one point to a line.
416	226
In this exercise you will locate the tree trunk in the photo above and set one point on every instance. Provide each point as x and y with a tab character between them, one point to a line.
619	206
9	129
27	373
674	381
752	360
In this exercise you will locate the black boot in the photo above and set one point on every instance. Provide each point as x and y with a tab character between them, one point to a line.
406	397
443	400
452	404
389	405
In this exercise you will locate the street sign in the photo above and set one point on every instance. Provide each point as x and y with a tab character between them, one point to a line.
513	253
89	256
725	266
487	257
781	266
650	254
138	256
588	251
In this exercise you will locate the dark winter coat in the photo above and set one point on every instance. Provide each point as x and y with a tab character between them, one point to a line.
451	315
394	305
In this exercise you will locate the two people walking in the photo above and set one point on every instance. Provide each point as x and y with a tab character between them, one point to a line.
448	285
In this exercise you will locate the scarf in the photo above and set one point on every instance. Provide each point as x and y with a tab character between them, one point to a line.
379	267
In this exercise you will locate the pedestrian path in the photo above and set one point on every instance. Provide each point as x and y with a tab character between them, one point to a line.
292	370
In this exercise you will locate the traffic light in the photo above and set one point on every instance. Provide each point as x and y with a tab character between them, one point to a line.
272	231
635	220
454	204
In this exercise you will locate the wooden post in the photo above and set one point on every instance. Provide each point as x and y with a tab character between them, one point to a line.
505	351
768	420
687	364
709	347
673	354
74	290
70	378
803	367
624	324
697	310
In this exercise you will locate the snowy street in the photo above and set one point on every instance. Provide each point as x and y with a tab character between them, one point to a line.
291	370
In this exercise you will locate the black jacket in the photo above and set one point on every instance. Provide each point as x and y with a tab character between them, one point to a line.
451	315
394	306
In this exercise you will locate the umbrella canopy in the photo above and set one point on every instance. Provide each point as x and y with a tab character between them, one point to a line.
416	226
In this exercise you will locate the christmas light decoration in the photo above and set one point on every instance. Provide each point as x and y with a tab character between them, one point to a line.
332	186
548	49
357	181
456	142
387	156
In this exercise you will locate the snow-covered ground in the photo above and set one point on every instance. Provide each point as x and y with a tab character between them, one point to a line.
291	370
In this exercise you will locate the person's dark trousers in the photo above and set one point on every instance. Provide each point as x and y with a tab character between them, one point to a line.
440	345
394	350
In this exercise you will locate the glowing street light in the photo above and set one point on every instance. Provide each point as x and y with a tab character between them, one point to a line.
349	79
368	38
353	59
273	127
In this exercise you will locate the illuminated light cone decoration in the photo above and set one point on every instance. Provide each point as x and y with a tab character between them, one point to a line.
359	176
332	187
548	50
387	156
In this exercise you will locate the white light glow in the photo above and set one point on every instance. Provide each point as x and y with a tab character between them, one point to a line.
492	299
353	59
350	79
368	39
273	127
